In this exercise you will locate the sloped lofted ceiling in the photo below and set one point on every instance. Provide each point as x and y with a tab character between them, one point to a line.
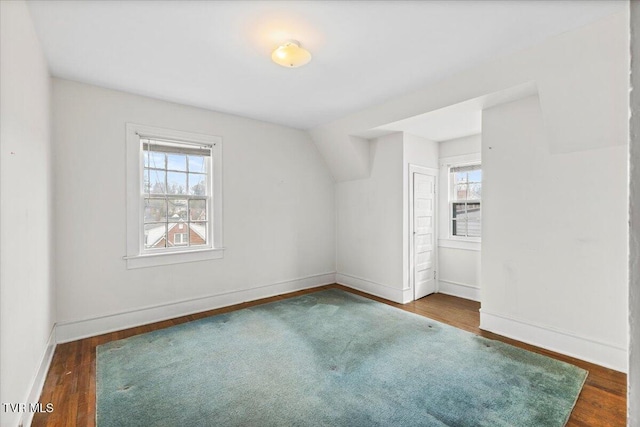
216	55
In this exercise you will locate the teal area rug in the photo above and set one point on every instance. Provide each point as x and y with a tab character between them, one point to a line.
328	358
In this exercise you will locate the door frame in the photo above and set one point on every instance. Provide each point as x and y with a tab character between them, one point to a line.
413	169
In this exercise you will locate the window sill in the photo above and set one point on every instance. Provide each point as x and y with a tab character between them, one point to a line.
467	245
167	258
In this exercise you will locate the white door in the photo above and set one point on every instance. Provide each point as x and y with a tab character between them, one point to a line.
424	239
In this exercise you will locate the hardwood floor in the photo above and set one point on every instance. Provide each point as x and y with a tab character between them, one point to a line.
71	381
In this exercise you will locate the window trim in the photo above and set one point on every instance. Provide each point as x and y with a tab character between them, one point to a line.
450	201
136	256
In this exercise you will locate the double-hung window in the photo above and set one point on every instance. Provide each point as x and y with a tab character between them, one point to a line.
177	195
465	194
174	196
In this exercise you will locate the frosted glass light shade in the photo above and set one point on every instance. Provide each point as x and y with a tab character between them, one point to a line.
291	55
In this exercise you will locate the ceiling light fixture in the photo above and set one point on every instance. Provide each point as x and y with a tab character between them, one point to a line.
291	55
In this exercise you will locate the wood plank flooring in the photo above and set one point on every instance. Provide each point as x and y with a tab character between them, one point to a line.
71	381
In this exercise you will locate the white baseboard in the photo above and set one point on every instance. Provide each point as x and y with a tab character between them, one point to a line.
41	376
378	289
457	289
75	330
590	350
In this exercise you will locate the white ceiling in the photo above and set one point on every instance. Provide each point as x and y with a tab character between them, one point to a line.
447	123
216	55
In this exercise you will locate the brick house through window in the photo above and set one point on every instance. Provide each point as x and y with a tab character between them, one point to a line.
179	233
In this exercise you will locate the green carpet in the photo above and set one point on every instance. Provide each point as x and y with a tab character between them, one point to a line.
328	358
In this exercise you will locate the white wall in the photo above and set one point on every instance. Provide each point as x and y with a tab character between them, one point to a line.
373	218
278	207
27	291
634	241
471	144
554	245
370	224
459	272
458	262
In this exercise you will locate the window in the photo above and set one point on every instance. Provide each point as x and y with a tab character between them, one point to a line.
174	196
180	239
465	196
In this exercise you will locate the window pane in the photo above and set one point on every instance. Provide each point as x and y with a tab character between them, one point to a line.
197	210
176	183
197	184
475	176
157	181
155	210
460	192
154	236
177	209
459	177
153	159
459	227
146	185
198	233
475	191
176	162
473	228
466	219
473	211
197	164
459	211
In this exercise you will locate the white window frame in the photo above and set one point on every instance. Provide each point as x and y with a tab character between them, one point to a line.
137	256
444	212
451	201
